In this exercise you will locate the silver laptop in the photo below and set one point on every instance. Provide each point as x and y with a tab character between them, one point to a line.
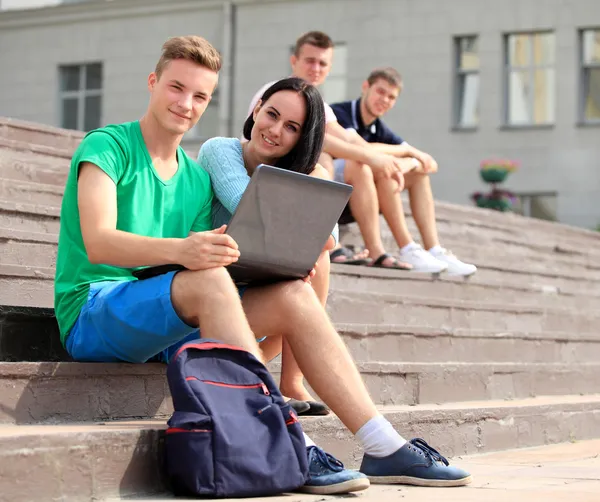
282	224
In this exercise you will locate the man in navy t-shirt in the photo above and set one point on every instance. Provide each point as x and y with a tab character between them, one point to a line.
361	119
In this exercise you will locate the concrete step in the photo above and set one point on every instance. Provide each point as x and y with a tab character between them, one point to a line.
563	472
510	222
80	392
389	343
40	164
37	251
35	193
27	249
378	308
39	134
367	279
26	286
494	260
29	217
420	383
123	459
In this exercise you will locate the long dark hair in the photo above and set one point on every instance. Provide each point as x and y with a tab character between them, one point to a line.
305	154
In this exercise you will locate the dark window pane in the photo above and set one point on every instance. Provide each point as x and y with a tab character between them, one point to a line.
69	113
519	50
92	113
69	78
468	55
468	100
93	76
592	94
591	46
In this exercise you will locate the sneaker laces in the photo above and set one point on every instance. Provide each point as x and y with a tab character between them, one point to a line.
325	458
428	450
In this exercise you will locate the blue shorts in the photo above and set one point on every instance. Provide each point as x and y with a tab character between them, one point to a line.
129	321
339	165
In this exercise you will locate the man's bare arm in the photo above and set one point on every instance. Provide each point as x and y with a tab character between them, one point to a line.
104	244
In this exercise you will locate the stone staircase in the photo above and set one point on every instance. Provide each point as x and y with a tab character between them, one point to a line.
509	358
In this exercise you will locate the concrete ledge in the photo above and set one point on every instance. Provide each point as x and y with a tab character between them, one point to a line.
82	392
124	459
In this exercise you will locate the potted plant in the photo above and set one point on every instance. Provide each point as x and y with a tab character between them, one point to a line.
494	171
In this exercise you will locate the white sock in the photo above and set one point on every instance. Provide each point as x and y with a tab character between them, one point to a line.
307	440
409	247
436	250
379	438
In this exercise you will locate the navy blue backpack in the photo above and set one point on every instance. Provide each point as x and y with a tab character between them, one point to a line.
231	434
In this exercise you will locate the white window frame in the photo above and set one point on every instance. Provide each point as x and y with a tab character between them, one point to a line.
532	68
459	73
583	72
81	93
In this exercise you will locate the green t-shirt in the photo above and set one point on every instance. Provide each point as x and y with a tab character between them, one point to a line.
146	205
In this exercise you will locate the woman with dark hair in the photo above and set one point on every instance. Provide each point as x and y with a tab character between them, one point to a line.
286	129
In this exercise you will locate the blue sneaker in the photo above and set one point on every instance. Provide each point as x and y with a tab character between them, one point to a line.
416	463
327	476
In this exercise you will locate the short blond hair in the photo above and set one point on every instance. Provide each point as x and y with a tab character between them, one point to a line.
190	47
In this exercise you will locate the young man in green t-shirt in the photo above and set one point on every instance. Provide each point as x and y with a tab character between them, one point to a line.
134	198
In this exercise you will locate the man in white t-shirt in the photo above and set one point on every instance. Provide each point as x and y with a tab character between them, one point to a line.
311	61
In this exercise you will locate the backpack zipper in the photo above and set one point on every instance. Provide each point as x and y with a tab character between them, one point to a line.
261	386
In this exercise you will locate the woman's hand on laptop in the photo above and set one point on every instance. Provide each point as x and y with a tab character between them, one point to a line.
210	249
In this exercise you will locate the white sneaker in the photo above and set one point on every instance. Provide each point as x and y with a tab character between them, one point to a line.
422	261
455	266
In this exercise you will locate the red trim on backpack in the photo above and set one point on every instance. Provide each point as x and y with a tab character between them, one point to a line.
232	386
208	346
292	420
176	430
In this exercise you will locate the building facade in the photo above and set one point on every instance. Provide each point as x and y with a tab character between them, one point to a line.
517	79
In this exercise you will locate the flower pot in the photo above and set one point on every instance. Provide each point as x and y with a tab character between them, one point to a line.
495	175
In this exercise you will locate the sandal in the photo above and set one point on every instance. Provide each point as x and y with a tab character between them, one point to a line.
396	264
349	255
298	406
315	409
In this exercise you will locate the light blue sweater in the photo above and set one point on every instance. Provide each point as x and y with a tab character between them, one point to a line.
223	160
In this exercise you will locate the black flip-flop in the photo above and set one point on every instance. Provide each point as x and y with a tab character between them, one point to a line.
315	409
350	260
396	264
299	407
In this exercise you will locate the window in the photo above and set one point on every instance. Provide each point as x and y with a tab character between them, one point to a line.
208	125
81	96
466	98
334	87
530	83
541	205
590	76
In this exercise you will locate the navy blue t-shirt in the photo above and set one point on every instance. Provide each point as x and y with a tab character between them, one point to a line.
348	115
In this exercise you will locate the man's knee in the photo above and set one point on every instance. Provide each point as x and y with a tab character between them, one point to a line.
415	178
294	296
191	288
358	174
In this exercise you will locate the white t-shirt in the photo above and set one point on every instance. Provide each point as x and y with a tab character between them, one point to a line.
329	115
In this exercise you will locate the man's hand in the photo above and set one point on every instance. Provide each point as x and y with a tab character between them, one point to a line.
428	163
208	250
384	165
